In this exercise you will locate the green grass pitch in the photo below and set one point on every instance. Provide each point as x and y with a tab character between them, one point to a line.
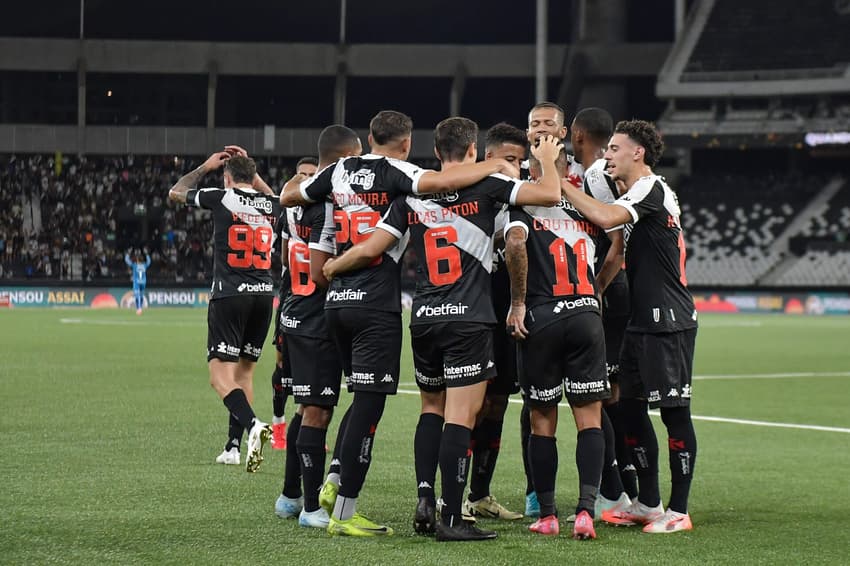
109	429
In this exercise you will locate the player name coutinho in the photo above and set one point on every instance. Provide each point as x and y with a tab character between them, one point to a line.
444	213
566	224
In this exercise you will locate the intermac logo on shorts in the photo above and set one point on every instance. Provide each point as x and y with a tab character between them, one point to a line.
581	387
257	288
446	309
345	295
363	378
536	394
455	372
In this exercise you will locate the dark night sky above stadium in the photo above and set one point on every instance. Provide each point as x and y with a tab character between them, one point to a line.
369	21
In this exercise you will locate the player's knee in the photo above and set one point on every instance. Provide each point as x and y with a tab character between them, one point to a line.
675	416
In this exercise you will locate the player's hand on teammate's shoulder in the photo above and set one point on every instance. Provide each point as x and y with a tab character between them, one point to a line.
547	149
508	168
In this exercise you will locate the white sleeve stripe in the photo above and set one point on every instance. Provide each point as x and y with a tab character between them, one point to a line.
391	229
515	191
628	207
303	190
516	224
615	228
416	177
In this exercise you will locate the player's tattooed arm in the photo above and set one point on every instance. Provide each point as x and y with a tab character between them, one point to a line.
516	258
190	180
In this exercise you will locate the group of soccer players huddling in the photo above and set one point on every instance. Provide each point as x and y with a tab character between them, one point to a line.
554	275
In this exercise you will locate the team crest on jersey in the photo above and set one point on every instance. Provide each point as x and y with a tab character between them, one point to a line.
364	177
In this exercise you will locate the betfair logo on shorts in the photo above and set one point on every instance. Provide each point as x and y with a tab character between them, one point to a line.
447	309
289	322
536	394
362	378
346	295
580	302
454	372
365	178
425	380
257	288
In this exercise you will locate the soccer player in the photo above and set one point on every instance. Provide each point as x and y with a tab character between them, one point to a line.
658	348
589	133
544	119
363	308
140	277
509	143
281	377
452	320
555	314
309	240
242	290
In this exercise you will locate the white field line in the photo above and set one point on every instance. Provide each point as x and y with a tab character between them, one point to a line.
774	375
109	322
714	419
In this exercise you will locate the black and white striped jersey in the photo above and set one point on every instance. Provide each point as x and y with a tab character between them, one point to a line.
561	249
284	272
655	259
362	189
599	184
304	229
452	235
243	236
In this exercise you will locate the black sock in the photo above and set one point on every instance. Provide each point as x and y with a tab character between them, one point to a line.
487	441
524	434
234	433
278	393
543	456
356	451
454	470
682	442
590	455
340	433
611	486
640	438
311	452
292	470
426	453
628	474
238	405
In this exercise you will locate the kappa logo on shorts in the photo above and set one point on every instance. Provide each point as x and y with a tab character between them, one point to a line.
490	364
673	392
387	378
327	391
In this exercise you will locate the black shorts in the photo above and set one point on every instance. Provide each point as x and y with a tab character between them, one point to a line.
616	309
658	367
452	354
369	346
316	370
283	378
237	327
506	380
565	358
278	329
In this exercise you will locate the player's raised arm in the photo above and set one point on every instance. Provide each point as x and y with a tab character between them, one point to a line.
462	176
290	195
190	180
